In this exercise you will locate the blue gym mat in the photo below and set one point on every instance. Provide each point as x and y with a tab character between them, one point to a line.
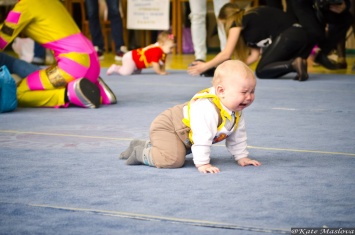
60	172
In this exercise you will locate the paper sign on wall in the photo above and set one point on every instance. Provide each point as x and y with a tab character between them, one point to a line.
148	14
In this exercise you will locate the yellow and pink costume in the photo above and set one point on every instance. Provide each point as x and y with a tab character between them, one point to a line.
49	23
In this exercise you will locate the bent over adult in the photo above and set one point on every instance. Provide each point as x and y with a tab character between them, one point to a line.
262	32
75	77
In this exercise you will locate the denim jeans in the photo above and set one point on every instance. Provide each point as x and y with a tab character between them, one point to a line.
198	26
92	10
39	51
17	66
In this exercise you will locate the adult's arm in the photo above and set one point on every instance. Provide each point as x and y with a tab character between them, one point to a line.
254	55
225	54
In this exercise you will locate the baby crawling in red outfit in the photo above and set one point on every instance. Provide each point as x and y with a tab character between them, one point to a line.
153	55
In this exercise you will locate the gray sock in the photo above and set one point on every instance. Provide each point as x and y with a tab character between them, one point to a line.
129	150
136	157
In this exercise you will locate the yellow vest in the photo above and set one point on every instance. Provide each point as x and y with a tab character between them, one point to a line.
223	114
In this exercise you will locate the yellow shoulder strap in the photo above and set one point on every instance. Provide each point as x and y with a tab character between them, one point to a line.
142	57
204	95
223	114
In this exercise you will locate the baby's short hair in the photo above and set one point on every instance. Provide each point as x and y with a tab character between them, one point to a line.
229	68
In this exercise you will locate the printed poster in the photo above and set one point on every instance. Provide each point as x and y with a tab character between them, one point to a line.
148	14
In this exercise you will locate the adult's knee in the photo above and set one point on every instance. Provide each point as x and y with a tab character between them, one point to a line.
260	74
265	73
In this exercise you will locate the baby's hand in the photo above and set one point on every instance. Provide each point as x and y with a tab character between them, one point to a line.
163	73
208	168
247	161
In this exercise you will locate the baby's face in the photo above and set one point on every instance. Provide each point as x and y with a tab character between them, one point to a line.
237	93
168	46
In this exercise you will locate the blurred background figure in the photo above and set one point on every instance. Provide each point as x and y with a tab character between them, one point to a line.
114	15
198	26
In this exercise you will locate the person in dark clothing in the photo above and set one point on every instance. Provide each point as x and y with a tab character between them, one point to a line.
114	15
262	32
316	18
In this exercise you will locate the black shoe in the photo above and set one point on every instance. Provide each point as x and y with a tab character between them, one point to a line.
342	65
119	55
84	93
100	53
300	66
323	60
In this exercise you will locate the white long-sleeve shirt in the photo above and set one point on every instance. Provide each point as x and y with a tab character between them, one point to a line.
204	124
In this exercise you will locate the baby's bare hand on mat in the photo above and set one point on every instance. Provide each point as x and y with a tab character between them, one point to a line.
247	161
208	168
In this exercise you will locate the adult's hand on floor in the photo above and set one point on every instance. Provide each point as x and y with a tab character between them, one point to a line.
196	68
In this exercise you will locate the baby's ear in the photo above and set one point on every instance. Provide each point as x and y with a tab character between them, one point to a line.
219	90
